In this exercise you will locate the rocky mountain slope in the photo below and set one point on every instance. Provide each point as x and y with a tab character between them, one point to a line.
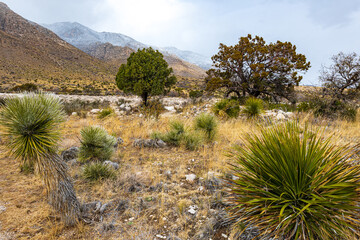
89	40
32	52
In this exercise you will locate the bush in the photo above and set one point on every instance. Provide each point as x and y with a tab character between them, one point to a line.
98	171
253	107
32	122
96	144
26	87
329	108
80	106
226	108
174	135
153	109
105	112
194	94
191	140
293	183
207	124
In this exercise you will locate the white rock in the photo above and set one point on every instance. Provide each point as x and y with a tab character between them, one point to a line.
141	115
74	114
127	108
95	111
192	209
170	108
280	116
160	236
190	177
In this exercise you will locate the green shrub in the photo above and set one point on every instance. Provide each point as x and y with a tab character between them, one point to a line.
207	124
226	108
32	122
281	106
26	87
153	109
96	144
293	183
194	94
304	106
174	135
105	112
96	171
191	140
253	107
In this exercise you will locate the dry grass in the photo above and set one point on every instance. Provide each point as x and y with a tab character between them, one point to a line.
164	211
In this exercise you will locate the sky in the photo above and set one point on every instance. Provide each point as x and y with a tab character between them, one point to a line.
318	28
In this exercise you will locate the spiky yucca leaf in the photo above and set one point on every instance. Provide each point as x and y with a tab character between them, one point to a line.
32	124
293	183
97	171
96	144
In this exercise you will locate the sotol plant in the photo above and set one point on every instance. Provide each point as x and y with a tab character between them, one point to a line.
253	107
97	171
293	183
96	144
31	124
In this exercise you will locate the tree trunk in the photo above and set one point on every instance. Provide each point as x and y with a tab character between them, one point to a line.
144	97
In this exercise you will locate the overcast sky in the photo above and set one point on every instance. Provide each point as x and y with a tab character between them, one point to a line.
319	28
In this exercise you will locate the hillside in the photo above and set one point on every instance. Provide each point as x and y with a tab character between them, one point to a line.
98	44
32	53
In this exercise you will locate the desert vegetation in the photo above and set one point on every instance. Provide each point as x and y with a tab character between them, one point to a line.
275	161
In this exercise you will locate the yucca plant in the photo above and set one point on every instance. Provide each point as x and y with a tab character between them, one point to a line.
191	140
253	107
96	144
206	123
174	135
96	171
293	183
31	124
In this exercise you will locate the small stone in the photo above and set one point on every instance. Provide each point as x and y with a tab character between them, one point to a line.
168	174
119	141
190	177
111	164
141	115
192	209
70	153
95	111
74	114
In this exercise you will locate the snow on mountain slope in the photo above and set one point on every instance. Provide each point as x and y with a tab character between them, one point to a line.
81	36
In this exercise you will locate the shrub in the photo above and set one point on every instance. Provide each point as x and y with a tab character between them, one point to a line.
304	106
194	94
153	109
253	107
105	112
207	124
96	144
293	183
32	124
226	108
28	87
98	171
175	134
191	140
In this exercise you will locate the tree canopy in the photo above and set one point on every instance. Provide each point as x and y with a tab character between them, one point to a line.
342	79
145	74
256	68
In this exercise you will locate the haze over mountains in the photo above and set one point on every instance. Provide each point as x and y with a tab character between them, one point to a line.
30	52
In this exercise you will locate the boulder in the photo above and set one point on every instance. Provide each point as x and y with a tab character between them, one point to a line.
114	165
70	154
154	143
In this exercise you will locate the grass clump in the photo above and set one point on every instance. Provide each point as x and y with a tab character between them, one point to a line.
192	141
207	124
174	136
96	144
226	108
153	109
105	113
253	107
293	183
96	171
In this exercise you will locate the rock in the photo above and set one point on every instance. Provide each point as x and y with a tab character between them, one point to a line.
168	174
127	108
95	111
280	116
122	205
104	207
193	209
155	143
190	177
74	114
107	227
72	162
92	206
170	108
70	154
213	183
2	208
119	141
112	164
122	106
141	115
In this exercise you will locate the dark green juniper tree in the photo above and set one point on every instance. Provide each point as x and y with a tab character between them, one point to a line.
145	74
